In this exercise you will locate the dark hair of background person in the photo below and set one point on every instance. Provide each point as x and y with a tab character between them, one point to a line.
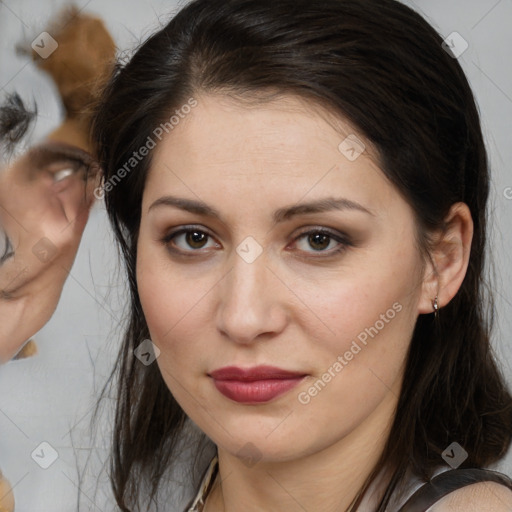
15	120
381	66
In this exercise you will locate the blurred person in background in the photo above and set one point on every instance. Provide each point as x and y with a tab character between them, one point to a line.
44	205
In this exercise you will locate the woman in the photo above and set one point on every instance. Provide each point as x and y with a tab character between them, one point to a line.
299	193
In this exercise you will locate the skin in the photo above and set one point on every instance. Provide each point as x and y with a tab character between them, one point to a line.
38	212
481	497
293	307
32	205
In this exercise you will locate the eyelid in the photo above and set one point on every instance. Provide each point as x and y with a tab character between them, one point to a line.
323	229
59	165
185	229
46	154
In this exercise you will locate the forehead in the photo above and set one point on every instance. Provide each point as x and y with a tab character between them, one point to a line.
286	147
278	126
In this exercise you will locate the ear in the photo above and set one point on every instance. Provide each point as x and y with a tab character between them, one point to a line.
443	275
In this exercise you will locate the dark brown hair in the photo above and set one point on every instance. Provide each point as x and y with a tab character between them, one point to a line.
381	66
15	120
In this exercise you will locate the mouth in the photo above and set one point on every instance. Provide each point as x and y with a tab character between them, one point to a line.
254	385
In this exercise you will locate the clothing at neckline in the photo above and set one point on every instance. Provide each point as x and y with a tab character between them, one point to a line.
205	486
420	499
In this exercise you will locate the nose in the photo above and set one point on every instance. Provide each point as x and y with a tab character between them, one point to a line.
251	302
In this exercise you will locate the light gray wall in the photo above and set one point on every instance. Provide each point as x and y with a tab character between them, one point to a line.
46	397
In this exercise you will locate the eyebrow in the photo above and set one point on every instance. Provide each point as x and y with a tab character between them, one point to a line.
280	215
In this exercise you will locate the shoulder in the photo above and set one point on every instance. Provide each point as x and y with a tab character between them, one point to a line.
477	497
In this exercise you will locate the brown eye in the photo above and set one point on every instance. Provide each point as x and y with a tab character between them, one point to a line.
318	241
187	240
195	239
321	239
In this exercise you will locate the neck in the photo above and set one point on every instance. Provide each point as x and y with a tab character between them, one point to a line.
327	480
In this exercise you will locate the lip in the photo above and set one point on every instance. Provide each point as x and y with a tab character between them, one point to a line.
258	384
261	372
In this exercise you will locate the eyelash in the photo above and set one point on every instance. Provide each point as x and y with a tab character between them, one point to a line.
341	239
8	249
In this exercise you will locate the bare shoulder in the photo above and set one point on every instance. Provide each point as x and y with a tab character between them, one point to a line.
479	497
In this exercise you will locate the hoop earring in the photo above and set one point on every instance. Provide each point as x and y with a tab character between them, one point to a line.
436	307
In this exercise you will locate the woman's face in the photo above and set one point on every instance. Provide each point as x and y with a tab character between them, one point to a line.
331	294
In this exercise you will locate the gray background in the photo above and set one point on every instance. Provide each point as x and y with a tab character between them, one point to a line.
49	397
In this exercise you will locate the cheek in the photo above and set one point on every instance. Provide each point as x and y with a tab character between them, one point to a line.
367	314
172	305
363	362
